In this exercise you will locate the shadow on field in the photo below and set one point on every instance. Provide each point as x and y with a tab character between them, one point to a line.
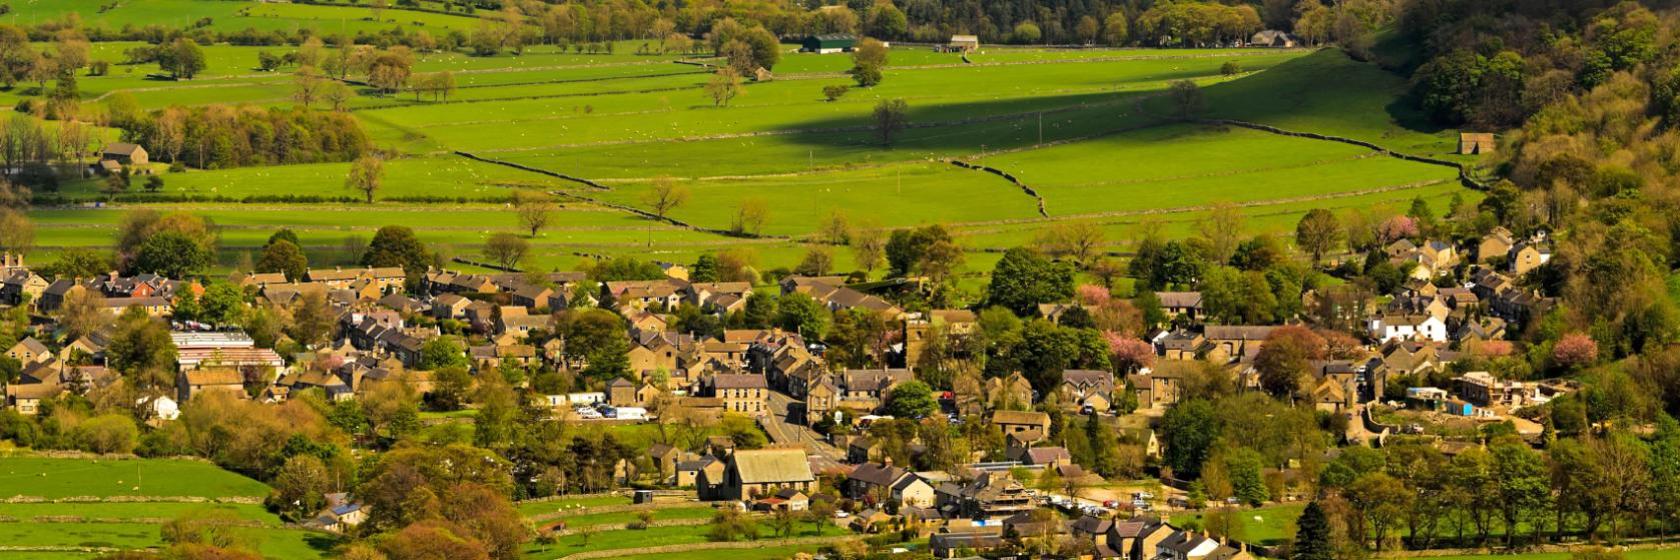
1325	84
976	127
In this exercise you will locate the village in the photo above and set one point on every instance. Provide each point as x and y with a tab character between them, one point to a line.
1399	381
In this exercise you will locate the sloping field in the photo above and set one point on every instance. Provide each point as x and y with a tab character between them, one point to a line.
1183	166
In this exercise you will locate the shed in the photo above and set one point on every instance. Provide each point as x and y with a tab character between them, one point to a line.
1476	143
829	43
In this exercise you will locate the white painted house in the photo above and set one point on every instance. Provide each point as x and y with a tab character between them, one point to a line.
1389	327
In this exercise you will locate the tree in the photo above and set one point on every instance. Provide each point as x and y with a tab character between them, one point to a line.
1116	29
1186	97
313	318
665	196
801	314
750	216
1575	350
506	249
911	399
817	262
173	255
869	58
1189	431
17	232
108	433
1027	32
183	59
397	246
366	174
442	352
868	247
1023	279
285	257
891	117
300	486
308	84
834	92
142	351
534	210
1317	232
1312	535
1284	359
724	86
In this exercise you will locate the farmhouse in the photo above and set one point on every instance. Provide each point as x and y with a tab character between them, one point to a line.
829	43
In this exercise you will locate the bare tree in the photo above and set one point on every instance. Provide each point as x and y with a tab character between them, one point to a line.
534	211
366	174
665	196
891	117
751	215
308	84
506	249
724	86
869	246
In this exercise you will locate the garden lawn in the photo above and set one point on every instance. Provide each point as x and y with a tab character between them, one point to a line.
766	553
53	478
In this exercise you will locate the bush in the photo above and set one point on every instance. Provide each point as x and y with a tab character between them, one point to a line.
835	92
1230	68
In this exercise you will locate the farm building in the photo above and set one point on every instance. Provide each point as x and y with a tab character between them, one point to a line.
963	43
1273	38
124	153
1476	143
829	43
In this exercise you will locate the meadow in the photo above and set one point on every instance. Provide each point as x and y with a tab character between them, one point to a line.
1084	127
107	504
53	478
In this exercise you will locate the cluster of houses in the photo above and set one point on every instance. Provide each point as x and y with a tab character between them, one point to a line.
1452	297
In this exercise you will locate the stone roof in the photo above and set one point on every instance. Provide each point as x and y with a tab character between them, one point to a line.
770	466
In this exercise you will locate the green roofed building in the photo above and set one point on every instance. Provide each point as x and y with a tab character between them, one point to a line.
830	43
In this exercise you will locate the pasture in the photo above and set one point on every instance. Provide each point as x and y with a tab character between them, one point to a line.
1083	127
54	478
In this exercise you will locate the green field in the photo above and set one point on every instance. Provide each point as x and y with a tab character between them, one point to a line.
105	508
655	536
63	478
1268	525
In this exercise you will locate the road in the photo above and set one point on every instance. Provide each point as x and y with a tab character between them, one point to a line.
824	457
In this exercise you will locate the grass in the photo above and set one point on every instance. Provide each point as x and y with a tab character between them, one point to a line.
234	16
53	478
561	504
655	536
1362	101
899	195
622	517
1268	525
131	510
765	553
437	176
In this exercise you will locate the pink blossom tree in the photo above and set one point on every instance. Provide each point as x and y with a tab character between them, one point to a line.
1397	228
1575	350
1129	354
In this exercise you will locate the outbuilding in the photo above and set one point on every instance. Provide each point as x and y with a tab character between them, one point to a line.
829	43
